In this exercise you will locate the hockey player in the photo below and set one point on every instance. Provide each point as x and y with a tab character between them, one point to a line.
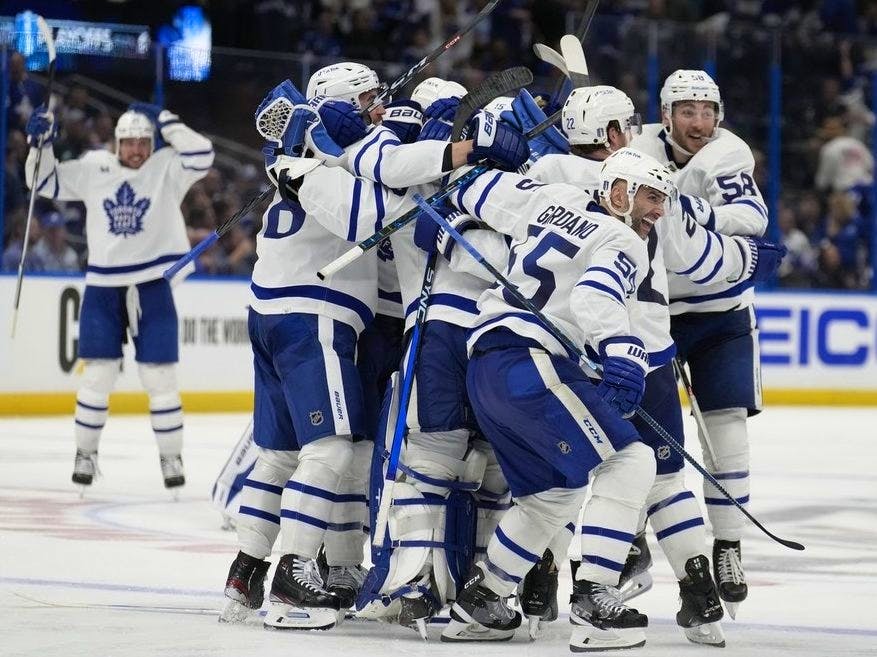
134	228
579	262
440	454
714	326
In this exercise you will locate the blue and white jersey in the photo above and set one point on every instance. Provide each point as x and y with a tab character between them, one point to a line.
133	221
574	262
676	243
722	173
389	292
297	239
405	169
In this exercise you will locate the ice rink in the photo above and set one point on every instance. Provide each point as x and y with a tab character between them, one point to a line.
128	572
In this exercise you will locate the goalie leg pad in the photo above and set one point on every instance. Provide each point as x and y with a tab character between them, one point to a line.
259	515
730	444
230	482
492	500
311	492
676	518
618	491
92	401
344	538
165	408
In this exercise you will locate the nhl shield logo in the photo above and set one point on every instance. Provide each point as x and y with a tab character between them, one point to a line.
126	211
316	418
564	447
663	452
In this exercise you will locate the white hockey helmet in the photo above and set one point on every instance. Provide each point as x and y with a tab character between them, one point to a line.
690	85
588	111
343	81
432	89
638	170
134	125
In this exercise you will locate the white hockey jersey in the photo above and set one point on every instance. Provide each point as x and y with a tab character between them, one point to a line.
676	243
722	173
133	221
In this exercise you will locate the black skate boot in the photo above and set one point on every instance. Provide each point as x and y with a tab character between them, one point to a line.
601	621
479	614
298	600
345	582
172	471
701	609
635	578
538	594
729	575
244	588
84	468
420	605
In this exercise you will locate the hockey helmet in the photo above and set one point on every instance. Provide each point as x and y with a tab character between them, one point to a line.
638	170
588	111
343	81
682	85
134	125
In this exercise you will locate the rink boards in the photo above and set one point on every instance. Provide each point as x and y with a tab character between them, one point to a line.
816	348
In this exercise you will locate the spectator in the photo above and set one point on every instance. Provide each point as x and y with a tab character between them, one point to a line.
842	233
24	93
844	161
52	248
799	265
12	253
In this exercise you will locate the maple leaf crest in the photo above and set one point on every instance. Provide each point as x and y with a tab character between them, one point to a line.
125	214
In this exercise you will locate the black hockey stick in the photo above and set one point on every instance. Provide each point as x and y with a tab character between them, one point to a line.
406	77
498	84
45	32
573	349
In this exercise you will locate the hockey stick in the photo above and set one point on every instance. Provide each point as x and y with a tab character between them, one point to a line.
679	367
370	242
407	384
272	124
550	56
497	84
46	33
406	77
573	349
576	65
580	34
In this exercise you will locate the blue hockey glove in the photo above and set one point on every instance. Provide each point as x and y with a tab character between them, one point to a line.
435	130
433	237
443	108
41	124
343	122
496	142
148	109
404	118
625	363
764	258
525	114
445	242
698	209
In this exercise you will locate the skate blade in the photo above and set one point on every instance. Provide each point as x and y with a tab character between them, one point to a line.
636	585
283	616
236	612
731	608
536	627
587	638
421	628
81	488
708	634
459	631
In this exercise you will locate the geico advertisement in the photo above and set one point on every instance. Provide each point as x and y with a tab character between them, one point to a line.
214	346
818	340
808	340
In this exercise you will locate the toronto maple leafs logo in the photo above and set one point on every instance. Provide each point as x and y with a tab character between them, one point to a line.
126	212
385	250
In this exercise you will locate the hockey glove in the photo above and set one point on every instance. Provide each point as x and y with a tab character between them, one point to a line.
342	121
445	242
698	209
763	258
405	119
41	124
496	142
287	173
149	110
443	108
433	237
525	114
625	362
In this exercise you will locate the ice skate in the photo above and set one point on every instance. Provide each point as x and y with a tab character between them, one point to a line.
84	469
701	609
479	614
345	582
298	600
601	621
729	575
244	588
538	595
419	606
172	471
635	578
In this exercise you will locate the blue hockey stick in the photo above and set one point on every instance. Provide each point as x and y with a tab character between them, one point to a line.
575	350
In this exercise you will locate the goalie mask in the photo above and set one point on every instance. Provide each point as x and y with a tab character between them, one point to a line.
638	170
343	81
694	86
588	111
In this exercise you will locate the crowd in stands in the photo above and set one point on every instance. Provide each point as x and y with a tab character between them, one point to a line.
829	50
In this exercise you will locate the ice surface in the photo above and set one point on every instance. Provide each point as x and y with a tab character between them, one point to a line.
127	572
